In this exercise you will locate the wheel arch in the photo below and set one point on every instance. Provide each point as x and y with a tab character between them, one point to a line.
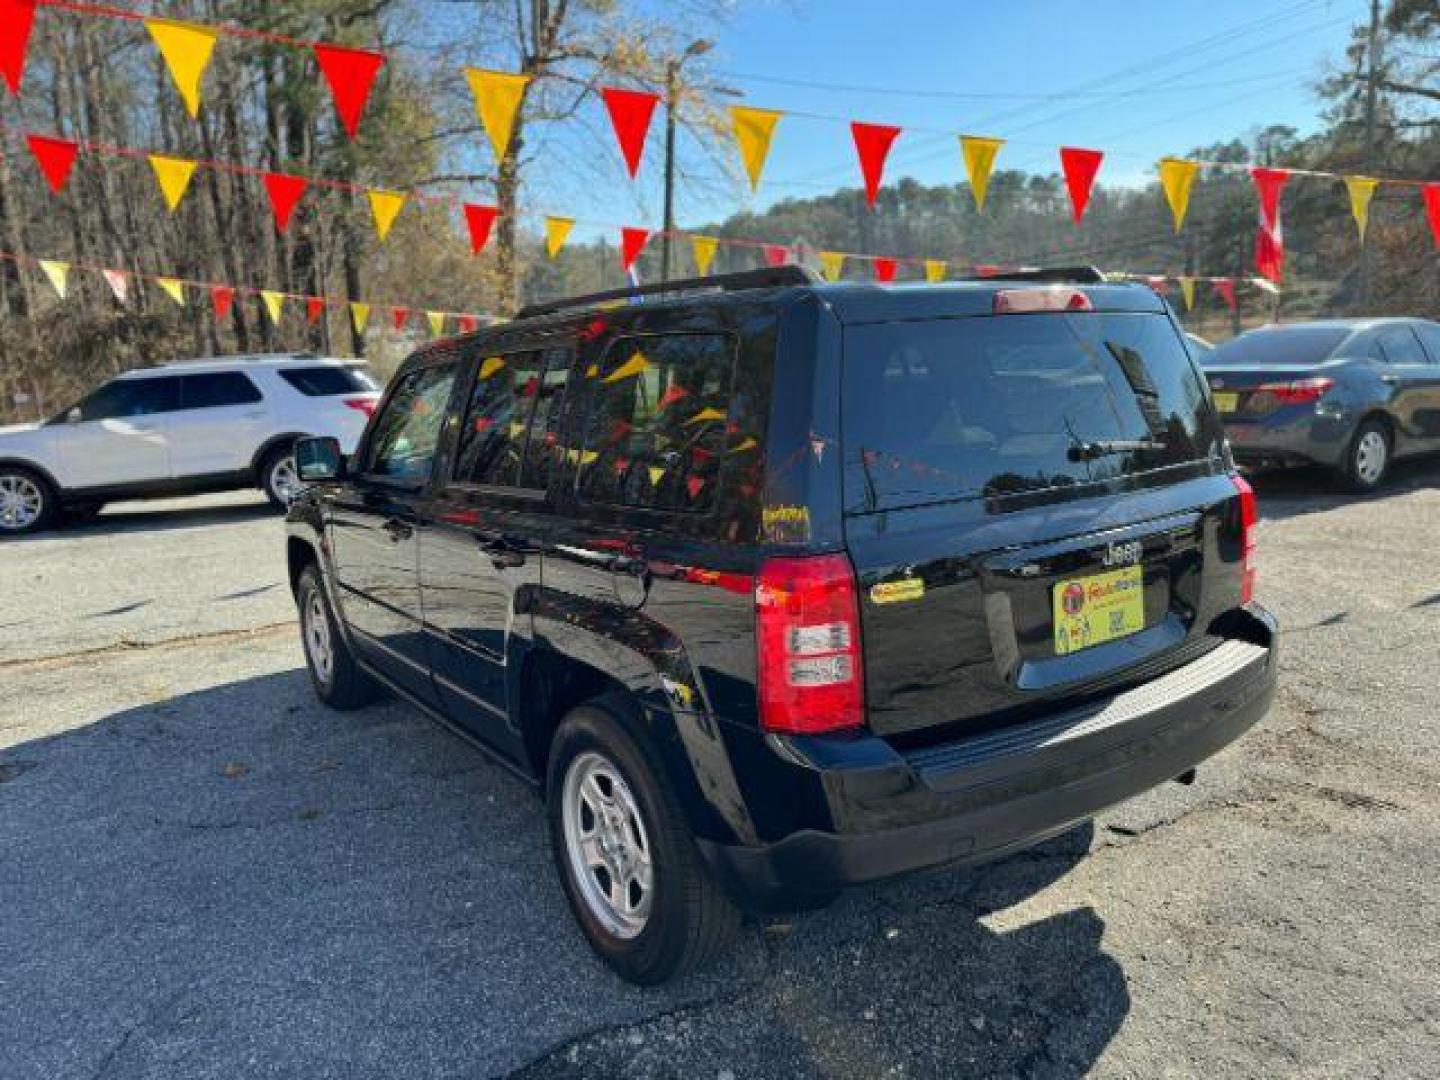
269	446
39	470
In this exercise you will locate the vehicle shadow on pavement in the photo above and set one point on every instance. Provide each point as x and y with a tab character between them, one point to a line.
1289	493
139	518
237	881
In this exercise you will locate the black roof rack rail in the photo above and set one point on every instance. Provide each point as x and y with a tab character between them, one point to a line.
771	277
1060	275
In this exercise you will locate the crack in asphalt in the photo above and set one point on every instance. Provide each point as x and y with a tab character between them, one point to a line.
125	645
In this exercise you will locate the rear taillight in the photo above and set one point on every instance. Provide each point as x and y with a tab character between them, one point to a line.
362	404
1049	298
807	623
1298	392
1248	517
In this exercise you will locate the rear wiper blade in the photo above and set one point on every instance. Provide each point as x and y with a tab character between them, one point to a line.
1089	451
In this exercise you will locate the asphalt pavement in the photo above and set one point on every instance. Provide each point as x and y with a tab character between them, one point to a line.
205	874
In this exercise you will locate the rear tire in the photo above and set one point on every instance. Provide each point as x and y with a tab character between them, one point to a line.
614	818
279	478
1367	459
27	501
338	680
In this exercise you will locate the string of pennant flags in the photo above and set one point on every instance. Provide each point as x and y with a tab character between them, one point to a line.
182	291
55	160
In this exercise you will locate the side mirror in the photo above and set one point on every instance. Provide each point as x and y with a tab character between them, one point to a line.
74	416
319	459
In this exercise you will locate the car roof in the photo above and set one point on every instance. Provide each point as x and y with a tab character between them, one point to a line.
1338	324
246	362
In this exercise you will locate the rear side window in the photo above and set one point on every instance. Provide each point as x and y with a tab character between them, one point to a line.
1300	345
215	391
507	439
327	381
654	431
1429	334
1400	346
986	407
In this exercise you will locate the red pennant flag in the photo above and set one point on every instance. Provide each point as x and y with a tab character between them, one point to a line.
1270	254
55	158
479	219
400	316
776	254
284	192
468	324
17	17
350	73
630	113
1080	167
1431	192
1159	284
1225	289
631	243
671	396
222	297
872	143
987	269
1270	182
885	268
694	485
314	309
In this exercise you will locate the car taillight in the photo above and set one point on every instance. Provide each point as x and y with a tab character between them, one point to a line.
807	623
1248	517
1297	392
1050	298
362	404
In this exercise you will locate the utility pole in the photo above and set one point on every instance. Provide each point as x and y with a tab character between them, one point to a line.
672	95
1372	101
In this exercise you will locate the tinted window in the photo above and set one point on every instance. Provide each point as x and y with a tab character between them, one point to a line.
542	452
962	408
327	381
1400	346
1300	345
408	430
497	419
132	397
654	433
1429	334
217	390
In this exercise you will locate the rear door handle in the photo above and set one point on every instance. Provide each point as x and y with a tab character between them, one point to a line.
397	530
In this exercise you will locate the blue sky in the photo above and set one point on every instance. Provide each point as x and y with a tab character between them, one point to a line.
1138	80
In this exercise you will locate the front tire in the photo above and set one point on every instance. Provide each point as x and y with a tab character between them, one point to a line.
27	501
630	867
1367	461
338	680
279	477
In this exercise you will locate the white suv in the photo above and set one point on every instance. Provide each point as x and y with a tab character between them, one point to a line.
184	428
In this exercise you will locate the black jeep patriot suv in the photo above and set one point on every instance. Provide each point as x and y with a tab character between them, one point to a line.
772	586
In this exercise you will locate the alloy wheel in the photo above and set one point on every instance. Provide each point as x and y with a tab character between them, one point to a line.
21	502
284	479
607	845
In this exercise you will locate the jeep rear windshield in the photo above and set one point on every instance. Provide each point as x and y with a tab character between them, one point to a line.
986	407
1302	345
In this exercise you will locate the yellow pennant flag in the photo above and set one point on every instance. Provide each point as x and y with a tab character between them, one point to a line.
1187	290
437	322
187	49
1176	178
173	289
754	128
359	315
705	416
1361	189
58	273
657	473
745	444
174	177
557	231
979	154
497	101
831	263
634	366
274	304
704	248
385	205
934	270
491	365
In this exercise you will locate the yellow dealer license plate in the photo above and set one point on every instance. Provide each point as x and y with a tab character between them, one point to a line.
1227	402
1099	608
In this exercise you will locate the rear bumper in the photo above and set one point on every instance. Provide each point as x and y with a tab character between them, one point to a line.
992	794
1295	436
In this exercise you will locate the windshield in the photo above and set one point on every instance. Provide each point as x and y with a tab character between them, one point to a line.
1298	345
984	407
